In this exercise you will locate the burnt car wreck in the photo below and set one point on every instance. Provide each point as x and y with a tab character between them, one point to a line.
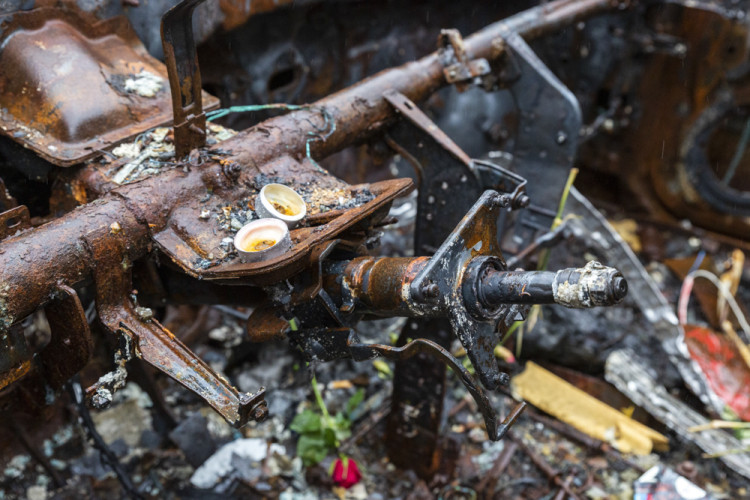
121	195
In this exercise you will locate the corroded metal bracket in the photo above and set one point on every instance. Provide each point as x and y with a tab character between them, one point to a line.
458	69
120	314
475	236
181	59
545	151
14	220
70	344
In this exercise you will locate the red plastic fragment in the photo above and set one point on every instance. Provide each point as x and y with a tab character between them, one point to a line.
726	372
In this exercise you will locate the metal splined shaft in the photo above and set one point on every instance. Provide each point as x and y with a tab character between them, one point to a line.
590	286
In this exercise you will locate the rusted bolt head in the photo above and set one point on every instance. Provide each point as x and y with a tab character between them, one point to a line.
232	171
260	412
430	290
522	201
502	378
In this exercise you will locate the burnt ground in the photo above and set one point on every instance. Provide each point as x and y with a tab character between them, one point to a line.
539	457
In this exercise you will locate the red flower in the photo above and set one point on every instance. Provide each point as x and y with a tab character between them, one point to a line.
345	472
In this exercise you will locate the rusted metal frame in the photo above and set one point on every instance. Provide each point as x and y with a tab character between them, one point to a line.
155	344
14	220
447	189
361	110
55	248
6	200
70	345
36	262
67	118
181	60
304	241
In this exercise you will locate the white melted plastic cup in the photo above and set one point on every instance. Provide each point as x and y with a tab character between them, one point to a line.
262	239
280	202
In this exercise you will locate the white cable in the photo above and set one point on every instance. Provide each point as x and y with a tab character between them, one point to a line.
733	305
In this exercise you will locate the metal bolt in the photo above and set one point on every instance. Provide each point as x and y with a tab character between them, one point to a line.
260	413
619	288
522	201
430	290
502	378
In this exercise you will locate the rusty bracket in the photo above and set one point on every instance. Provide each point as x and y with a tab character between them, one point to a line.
545	152
70	344
15	358
118	311
474	237
495	430
457	68
6	200
14	220
451	180
181	60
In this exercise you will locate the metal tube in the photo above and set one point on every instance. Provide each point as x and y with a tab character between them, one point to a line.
590	286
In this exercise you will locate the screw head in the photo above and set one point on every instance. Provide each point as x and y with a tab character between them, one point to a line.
522	201
260	413
430	290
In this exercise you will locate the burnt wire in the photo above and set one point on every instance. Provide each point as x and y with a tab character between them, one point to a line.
107	455
321	134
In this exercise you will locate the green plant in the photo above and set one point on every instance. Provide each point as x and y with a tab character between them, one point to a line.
519	326
320	433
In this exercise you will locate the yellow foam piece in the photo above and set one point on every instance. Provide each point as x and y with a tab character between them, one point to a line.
550	393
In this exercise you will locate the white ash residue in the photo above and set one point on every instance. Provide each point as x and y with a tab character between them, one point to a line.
145	84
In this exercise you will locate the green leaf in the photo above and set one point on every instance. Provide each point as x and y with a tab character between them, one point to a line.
341	426
329	436
354	401
306	422
383	367
311	448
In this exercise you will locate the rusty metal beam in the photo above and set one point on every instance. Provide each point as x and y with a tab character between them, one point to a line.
31	264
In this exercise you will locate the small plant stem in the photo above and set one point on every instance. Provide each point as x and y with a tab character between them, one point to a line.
544	261
319	400
542	266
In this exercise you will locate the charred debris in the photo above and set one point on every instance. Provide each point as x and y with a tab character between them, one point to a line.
374	249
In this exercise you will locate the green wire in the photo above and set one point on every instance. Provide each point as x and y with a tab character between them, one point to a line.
329	121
